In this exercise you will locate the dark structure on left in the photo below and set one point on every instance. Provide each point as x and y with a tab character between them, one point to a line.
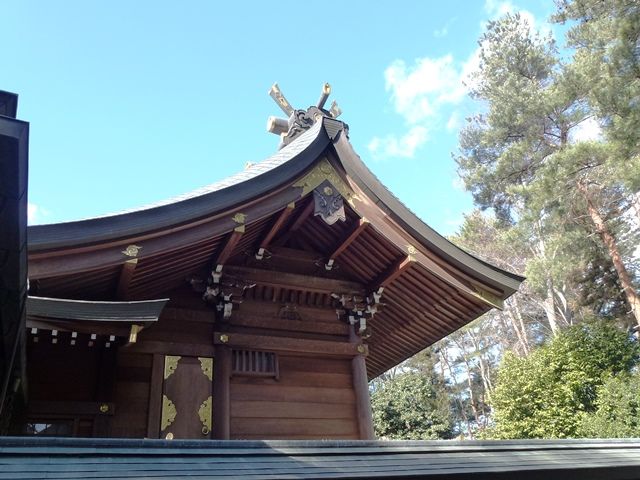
14	152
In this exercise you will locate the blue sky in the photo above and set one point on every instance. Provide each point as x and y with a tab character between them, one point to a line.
135	102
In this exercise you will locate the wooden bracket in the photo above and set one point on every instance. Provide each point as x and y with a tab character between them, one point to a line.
133	333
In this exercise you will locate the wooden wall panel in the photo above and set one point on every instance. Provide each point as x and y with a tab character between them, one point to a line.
312	399
133	375
61	372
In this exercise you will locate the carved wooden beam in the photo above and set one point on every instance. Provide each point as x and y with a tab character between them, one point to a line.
355	232
293	345
269	322
295	281
275	228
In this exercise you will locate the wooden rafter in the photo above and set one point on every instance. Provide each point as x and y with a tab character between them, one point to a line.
275	228
298	222
229	246
308	210
400	239
71	261
355	232
126	275
393	272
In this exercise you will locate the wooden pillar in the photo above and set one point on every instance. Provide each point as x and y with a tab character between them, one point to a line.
221	402
104	390
361	388
155	396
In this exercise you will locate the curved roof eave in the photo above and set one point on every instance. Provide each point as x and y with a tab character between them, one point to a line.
287	164
369	183
253	182
64	309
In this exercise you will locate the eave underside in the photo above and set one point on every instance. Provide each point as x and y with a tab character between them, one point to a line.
419	305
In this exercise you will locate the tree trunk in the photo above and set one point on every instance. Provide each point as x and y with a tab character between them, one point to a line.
484	370
563	307
549	303
612	247
445	360
513	313
472	397
549	306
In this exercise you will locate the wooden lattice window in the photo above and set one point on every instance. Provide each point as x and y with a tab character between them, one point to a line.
253	363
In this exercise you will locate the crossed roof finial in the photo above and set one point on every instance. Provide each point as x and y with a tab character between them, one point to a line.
299	120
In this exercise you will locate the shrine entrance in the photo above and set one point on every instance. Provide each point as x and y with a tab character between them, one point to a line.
187	398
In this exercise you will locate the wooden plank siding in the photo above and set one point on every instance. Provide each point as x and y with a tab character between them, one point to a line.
312	399
133	377
61	372
311	396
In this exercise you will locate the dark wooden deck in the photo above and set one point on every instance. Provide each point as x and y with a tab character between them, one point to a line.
37	458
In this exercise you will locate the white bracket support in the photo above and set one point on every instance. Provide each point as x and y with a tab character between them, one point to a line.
329	265
363	325
216	274
228	307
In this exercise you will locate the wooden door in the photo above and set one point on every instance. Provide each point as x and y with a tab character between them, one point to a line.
187	397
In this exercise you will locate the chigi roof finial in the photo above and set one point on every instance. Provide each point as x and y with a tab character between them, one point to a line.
299	120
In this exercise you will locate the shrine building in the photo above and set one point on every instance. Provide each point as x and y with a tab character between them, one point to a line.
257	307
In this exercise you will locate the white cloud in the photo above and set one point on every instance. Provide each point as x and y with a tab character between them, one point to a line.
430	90
496	9
394	146
586	131
35	213
418	91
441	32
454	223
454	122
32	213
458	184
444	30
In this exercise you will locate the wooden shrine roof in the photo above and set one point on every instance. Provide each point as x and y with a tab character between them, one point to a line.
431	287
253	182
39	458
